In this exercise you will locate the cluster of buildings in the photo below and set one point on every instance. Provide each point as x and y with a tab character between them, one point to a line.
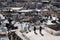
26	0
34	12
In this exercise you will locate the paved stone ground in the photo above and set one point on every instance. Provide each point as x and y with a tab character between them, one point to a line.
32	36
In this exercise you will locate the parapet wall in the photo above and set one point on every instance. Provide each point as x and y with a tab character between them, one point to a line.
51	31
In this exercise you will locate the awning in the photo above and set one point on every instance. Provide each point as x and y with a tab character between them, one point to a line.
45	10
15	8
38	10
25	11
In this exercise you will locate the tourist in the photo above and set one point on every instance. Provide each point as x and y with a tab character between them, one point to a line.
40	30
35	30
3	33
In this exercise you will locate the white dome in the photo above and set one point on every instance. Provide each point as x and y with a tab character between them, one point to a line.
2	17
